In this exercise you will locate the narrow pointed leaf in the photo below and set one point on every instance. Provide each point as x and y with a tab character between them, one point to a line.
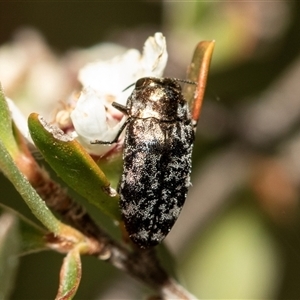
6	131
197	72
74	165
70	275
29	194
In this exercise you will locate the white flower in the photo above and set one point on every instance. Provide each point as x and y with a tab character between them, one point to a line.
91	123
103	83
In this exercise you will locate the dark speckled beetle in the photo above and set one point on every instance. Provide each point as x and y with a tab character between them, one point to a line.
157	159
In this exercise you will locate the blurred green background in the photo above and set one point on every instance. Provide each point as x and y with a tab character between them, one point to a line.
238	236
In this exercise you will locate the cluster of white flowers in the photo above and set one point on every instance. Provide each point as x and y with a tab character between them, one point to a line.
91	116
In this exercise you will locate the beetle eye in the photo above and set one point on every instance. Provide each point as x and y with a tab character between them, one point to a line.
140	83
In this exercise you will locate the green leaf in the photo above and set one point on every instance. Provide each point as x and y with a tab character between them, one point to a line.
29	194
74	165
70	275
6	131
9	248
112	168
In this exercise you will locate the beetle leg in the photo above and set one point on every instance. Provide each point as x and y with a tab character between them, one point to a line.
115	139
120	107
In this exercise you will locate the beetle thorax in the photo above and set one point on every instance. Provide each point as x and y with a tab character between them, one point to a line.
155	102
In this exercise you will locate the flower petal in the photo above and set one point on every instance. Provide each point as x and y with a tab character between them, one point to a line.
155	55
90	122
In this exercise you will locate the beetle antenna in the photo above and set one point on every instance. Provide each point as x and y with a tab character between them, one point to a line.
186	81
128	87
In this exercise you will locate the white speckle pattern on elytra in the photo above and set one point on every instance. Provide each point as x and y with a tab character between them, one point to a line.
157	159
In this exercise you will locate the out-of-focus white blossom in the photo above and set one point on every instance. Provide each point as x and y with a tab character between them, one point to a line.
104	82
32	75
37	79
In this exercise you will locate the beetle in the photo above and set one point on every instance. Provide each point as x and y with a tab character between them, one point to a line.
156	158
